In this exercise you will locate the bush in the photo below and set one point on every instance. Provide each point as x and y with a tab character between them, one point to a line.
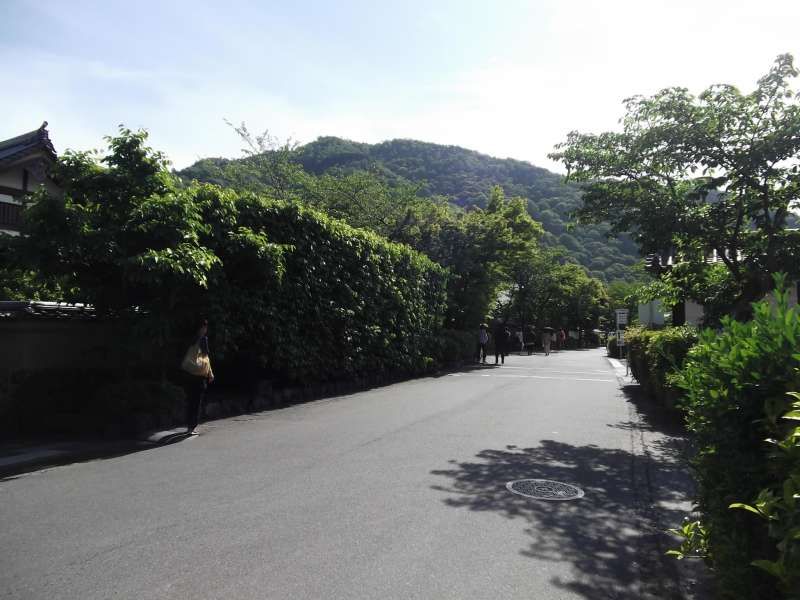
736	382
611	346
656	355
348	304
452	346
778	505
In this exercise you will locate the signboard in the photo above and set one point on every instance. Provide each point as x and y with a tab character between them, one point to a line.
622	316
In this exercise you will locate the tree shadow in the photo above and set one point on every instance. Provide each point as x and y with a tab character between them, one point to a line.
611	537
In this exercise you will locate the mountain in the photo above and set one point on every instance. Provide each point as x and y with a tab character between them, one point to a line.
465	177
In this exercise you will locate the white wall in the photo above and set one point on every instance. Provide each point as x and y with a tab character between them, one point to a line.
651	313
694	313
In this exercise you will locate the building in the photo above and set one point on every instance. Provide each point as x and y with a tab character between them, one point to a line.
25	163
690	312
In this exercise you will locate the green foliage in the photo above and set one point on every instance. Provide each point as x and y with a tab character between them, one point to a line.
612	346
349	302
123	234
692	174
694	540
543	291
462	177
736	382
656	355
285	287
779	504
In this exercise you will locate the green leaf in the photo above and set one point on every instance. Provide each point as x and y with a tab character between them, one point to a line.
746	507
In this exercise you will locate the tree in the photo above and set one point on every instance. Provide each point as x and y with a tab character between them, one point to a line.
126	238
689	175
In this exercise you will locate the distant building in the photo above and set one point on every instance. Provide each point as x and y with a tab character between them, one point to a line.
25	163
690	312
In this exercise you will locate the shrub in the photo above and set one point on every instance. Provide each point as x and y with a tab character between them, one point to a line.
453	346
779	505
656	355
349	303
736	381
611	346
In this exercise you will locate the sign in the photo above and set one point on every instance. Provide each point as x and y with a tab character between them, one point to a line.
622	316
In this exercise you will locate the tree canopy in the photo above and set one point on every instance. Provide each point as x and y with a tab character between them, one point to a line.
462	177
689	175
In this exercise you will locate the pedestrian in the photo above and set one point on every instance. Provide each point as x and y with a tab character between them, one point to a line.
502	342
483	340
197	374
546	339
562	339
520	338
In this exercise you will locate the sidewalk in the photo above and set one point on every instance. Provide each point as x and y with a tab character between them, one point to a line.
19	457
620	367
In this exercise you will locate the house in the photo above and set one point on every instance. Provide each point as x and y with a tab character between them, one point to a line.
25	162
690	312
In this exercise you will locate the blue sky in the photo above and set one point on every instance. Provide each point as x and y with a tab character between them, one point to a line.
507	78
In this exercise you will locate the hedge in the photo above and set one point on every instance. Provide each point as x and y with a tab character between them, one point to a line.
348	302
736	384
656	355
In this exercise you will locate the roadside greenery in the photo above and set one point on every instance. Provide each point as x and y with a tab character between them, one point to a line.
287	288
688	175
736	383
449	174
655	357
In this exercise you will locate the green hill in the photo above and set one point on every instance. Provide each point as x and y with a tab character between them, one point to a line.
465	178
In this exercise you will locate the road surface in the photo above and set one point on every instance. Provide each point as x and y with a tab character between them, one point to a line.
393	493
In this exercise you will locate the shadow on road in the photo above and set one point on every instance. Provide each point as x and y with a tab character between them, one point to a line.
608	536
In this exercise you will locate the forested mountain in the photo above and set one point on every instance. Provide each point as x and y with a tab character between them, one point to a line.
465	177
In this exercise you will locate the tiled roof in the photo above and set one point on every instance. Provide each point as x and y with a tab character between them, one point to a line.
27	143
15	310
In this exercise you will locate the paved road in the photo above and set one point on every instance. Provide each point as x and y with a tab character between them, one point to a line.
395	493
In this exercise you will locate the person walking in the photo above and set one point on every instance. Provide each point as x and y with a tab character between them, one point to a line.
483	340
502	342
546	340
197	375
562	339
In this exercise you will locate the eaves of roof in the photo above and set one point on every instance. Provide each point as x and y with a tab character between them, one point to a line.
33	142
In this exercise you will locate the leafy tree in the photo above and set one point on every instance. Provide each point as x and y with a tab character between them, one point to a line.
126	238
463	177
693	174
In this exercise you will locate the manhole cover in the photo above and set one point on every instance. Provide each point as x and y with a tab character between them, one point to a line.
543	489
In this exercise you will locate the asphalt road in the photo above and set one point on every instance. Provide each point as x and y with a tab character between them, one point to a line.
394	493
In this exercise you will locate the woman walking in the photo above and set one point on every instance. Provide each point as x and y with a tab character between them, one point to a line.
197	373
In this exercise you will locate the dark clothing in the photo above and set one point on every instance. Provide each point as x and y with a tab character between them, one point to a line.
502	342
195	388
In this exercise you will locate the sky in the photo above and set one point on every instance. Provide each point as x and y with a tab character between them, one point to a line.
505	77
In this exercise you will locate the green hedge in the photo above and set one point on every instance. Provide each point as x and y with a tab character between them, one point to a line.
656	355
736	382
348	303
612	348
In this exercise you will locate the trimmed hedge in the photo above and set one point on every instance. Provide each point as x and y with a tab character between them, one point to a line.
348	302
736	382
656	355
612	348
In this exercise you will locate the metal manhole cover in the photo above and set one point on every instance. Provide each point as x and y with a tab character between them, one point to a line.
544	489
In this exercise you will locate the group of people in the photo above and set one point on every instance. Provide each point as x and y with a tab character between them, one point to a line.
503	342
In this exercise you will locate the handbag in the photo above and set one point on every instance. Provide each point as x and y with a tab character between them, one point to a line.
195	362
